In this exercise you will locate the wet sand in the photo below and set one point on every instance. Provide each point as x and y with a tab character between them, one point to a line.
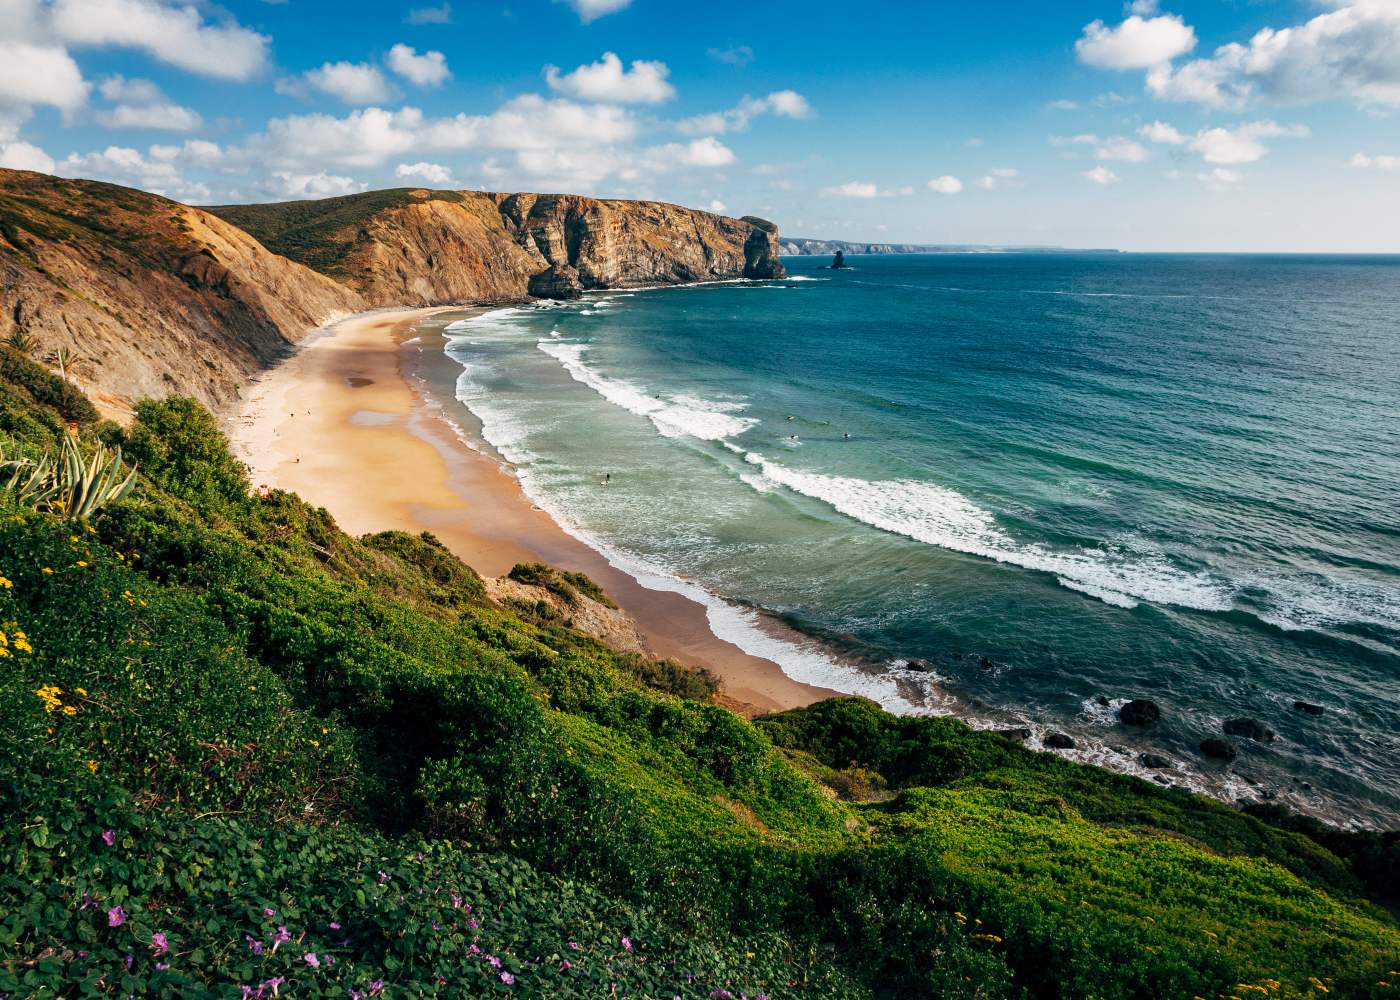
342	424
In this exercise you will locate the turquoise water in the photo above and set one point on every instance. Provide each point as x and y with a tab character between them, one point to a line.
1045	479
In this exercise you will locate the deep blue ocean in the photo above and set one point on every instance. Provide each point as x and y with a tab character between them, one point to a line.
1043	480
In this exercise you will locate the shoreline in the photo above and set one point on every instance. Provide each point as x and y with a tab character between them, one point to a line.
342	411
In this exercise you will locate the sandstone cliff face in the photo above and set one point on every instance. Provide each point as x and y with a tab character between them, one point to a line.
428	247
152	297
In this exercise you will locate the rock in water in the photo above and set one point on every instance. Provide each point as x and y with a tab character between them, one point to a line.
1250	729
1308	707
1219	749
1059	741
761	250
839	261
1020	734
558	281
1155	760
1139	712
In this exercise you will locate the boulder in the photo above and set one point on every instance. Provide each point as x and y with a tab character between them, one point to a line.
1139	712
1155	761
1308	707
1218	748
839	261
558	281
1251	729
1020	734
1058	741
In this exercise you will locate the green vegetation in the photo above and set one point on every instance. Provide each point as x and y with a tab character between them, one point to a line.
246	753
319	233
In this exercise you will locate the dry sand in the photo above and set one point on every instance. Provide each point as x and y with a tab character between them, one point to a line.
340	423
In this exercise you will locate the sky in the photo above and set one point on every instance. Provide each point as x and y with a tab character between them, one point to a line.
1211	125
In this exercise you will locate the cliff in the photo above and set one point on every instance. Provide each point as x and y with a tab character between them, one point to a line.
421	247
150	296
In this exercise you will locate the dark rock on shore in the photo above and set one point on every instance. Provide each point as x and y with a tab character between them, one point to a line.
558	281
1139	712
923	666
1251	729
1019	734
1308	707
1156	761
1059	741
1219	748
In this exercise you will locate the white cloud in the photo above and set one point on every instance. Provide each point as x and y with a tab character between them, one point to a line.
1063	105
140	104
947	184
783	103
195	152
352	83
606	80
1137	43
706	152
1220	179
734	55
39	74
1121	149
430	15
1241	144
433	173
994	178
123	165
428	70
864	189
165	117
1379	162
1163	133
1101	175
1351	51
177	35
25	156
1143	8
591	10
717	206
318	185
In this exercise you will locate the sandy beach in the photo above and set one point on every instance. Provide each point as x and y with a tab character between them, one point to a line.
340	423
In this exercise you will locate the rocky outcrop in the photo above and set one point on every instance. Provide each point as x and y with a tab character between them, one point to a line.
150	296
1139	712
421	247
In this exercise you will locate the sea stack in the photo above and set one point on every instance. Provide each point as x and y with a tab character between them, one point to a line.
839	261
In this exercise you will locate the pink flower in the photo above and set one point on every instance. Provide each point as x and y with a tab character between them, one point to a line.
627	943
565	965
334	926
109	837
493	961
473	950
376	987
507	978
269	911
254	945
310	959
159	944
116	916
573	945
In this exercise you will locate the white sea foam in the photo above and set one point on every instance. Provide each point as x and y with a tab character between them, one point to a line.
938	516
679	416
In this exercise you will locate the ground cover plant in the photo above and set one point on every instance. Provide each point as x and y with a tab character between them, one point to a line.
249	755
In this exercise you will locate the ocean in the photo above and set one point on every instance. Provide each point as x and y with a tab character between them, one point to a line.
1018	488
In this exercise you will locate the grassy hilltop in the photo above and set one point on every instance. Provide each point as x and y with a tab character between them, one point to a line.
247	754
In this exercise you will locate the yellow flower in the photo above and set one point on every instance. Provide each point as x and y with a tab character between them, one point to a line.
82	563
80	692
92	766
72	538
47	571
49	695
4	583
70	709
91	530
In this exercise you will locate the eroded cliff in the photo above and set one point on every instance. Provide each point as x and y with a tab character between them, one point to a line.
414	246
149	296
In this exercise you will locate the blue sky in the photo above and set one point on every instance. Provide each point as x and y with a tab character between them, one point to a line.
1200	124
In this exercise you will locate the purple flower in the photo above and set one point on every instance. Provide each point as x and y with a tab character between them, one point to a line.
383	878
269	911
565	965
334	926
162	966
310	959
358	995
573	945
247	992
721	995
109	837
159	944
376	987
274	983
494	962
473	923
627	943
330	960
130	961
283	935
456	901
507	978
88	902
254	945
116	916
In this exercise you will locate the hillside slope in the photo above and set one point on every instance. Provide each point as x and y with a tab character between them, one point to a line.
151	296
421	247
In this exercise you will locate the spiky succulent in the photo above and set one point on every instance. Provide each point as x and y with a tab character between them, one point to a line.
73	487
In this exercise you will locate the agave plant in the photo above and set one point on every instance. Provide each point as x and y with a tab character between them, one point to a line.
72	487
21	341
